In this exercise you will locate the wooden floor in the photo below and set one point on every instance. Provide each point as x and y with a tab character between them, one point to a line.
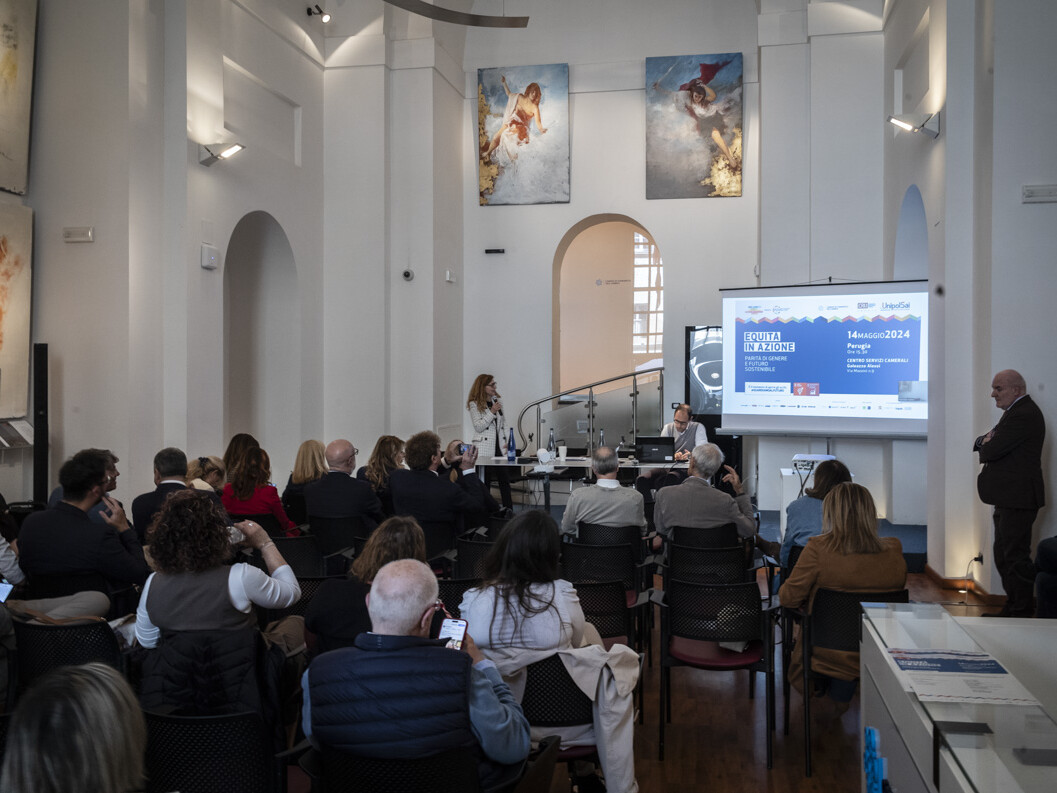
716	739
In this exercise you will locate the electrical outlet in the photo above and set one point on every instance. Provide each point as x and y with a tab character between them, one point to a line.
979	558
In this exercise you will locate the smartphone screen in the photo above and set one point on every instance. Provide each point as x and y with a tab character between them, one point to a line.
453	630
5	590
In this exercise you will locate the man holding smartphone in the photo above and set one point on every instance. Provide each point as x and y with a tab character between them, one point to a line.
411	694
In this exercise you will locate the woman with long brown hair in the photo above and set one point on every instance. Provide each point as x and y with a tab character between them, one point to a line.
485	407
387	456
251	493
849	557
338	612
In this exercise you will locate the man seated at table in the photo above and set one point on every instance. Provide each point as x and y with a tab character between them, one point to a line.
397	694
688	435
696	504
605	503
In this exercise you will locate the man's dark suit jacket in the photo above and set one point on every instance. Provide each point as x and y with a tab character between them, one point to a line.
145	506
1012	474
439	505
338	495
62	540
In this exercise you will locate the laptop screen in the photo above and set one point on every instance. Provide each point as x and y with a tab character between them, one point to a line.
654	449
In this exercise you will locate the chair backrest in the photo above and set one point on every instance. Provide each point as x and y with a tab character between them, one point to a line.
597	534
44	647
266	520
582	562
452	590
713	612
794	556
294	506
62	584
309	586
835	619
724	536
551	697
540	771
337	534
606	607
451	771
469	561
203	754
707	565
303	555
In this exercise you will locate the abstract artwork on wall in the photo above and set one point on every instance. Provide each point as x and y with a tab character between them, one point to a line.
694	126
16	249
18	26
523	134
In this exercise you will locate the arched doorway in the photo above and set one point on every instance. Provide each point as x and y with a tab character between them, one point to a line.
262	338
912	238
608	301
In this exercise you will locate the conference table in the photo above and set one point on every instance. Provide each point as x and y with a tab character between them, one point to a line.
559	465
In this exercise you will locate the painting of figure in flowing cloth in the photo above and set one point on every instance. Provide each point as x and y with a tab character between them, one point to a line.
694	126
16	241
523	134
18	25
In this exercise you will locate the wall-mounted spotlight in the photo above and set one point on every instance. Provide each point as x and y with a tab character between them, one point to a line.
214	152
324	17
925	123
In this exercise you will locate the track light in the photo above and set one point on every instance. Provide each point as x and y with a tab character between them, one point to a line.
925	123
214	152
324	17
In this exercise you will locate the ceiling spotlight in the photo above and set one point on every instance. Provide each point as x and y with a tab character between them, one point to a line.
324	17
925	123
214	152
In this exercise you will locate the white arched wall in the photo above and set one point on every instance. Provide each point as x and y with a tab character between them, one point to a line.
592	291
262	338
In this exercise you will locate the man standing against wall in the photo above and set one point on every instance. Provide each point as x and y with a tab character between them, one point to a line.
1011	480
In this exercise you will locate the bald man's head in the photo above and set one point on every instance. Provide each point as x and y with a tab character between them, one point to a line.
341	455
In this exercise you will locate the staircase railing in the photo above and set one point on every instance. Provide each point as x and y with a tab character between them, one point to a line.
591	406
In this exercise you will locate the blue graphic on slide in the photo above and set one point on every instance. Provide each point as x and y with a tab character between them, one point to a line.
826	356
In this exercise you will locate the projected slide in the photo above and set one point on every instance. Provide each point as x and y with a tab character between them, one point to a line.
854	355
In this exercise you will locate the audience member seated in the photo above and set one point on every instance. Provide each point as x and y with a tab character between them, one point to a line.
100	744
63	552
206	473
250	493
387	456
849	557
525	612
309	466
338	494
195	591
399	694
697	504
1046	578
95	513
449	468
239	444
803	517
605	503
170	475
439	505
338	612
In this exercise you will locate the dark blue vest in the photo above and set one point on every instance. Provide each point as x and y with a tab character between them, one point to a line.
391	697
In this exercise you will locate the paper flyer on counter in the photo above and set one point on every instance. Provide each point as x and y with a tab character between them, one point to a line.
960	676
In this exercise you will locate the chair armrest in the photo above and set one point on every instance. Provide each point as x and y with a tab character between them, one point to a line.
657	596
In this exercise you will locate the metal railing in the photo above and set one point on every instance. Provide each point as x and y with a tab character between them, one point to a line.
590	404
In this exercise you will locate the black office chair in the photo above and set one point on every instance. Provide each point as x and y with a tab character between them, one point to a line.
724	536
335	535
266	520
552	699
452	590
707	565
695	618
302	554
471	551
834	623
309	587
44	647
204	754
